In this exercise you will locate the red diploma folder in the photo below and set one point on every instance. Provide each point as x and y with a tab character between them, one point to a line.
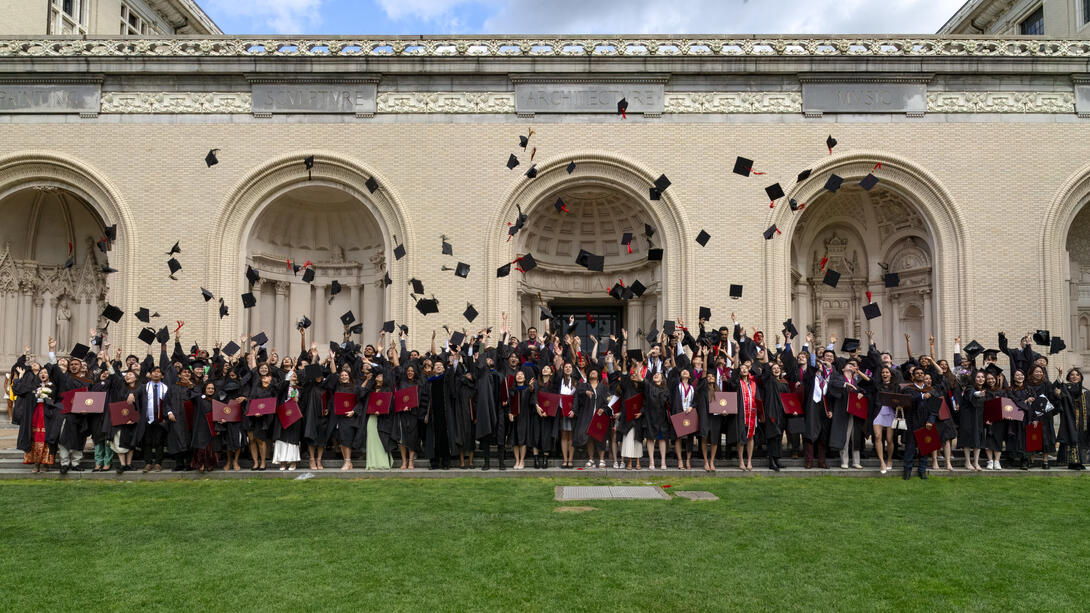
1001	408
1034	437
68	397
89	402
406	399
229	412
858	406
343	403
567	405
632	407
289	413
927	440
123	414
548	402
378	403
262	406
599	427
725	403
685	423
792	404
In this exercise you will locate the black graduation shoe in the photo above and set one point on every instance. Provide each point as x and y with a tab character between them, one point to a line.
1044	466
908	475
923	475
772	464
64	469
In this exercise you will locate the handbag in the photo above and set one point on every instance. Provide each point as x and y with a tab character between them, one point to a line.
899	420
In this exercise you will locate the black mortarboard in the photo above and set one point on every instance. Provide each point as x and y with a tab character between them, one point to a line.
774	191
770	232
669	326
356	329
833	183
652	336
103	245
705	313
648	230
743	166
626	239
1042	337
571	167
372	184
993	369
512	161
891	279
230	349
470	313
1056	345
804	175
334	289
596	263
703	238
523	141
388	326
260	339
399	252
546	313
870	311
503	271
175	249
308	275
146	336
112	313
654	255
789	326
794	204
252	275
973	349
174	266
616	291
308	162
637	288
223	309
830	143
107	269
211	158
832	277
427	305
207	294
163	335
248	300
622	106
735	291
404	328
70	262
348	318
869	182
304	323
662	183
991	354
418	286
447	248
531	172
581	259
295	268
653	194
635	355
560	206
143	315
457	338
850	345
462	270
527	263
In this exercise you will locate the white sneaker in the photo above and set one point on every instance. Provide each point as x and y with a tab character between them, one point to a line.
602	464
885	470
857	466
844	465
991	465
590	464
998	466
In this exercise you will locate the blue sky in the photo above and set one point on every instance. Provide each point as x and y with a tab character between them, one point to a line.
579	16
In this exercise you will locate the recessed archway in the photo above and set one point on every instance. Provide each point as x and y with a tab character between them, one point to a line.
1065	259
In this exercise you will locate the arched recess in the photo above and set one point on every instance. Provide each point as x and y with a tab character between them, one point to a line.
1062	279
50	173
267	183
950	249
593	170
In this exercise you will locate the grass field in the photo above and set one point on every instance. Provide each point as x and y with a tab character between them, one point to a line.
498	544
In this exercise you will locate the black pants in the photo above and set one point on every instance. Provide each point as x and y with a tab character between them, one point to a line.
153	444
910	456
775	446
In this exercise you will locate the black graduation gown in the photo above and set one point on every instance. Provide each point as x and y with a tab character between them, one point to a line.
525	402
1016	430
769	388
586	407
460	427
120	392
971	418
627	389
436	443
260	425
656	412
1037	414
98	423
293	434
710	425
203	436
405	426
174	402
317	423
923	411
1074	409
839	395
25	403
348	428
73	429
544	429
817	423
232	435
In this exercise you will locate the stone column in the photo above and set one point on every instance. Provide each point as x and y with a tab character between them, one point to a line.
318	316
928	319
374	306
633	323
45	306
298	306
535	314
895	332
11	319
28	324
282	331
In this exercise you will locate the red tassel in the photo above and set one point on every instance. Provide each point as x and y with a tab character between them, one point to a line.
772	204
180	324
778	231
620	281
802	206
877	166
590	319
868	298
69	248
533	153
630	248
623	115
824	261
307	263
519	268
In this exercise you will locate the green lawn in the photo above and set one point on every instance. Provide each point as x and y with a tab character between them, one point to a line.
472	544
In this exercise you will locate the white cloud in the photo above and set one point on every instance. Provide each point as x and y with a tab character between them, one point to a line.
273	16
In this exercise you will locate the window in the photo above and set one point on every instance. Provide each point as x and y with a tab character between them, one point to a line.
1034	25
67	17
132	24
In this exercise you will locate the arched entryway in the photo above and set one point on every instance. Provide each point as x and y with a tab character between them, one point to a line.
329	216
1065	273
908	222
606	196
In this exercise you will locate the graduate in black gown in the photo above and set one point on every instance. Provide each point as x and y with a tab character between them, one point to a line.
491	422
437	445
923	413
519	412
122	438
970	417
591	399
1074	434
347	426
203	441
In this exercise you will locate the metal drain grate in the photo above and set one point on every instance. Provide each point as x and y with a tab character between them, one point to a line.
607	492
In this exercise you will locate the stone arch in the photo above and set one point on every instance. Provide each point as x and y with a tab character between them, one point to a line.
47	169
951	252
1072	196
262	185
603	170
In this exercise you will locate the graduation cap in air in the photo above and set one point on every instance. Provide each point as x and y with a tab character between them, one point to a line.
295	268
211	158
669	326
427	305
703	238
260	339
771	231
830	143
503	271
248	300
626	240
303	324
523	141
308	275
348	318
462	270
531	172
832	277
388	326
653	194
581	259
1042	337
596	263
399	251
371	184
223	309
617	291
71	261
1056	345
635	355
804	175
174	266
512	161
571	167
789	327
308	162
705	313
869	182
654	255
546	314
356	329
648	230
230	349
795	206
418	286
774	192
526	263
744	166
107	269
143	315
636	288
662	183
870	311
334	289
103	245
112	313
163	335
448	249
652	336
146	336
973	349
833	183
470	313
457	338
252	275
175	249
622	108
111	232
560	206
850	345
207	294
891	279
735	291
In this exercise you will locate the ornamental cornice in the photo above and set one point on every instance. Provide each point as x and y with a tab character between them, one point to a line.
924	78
732	102
47	79
176	102
311	79
550	46
446	102
1001	102
610	78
